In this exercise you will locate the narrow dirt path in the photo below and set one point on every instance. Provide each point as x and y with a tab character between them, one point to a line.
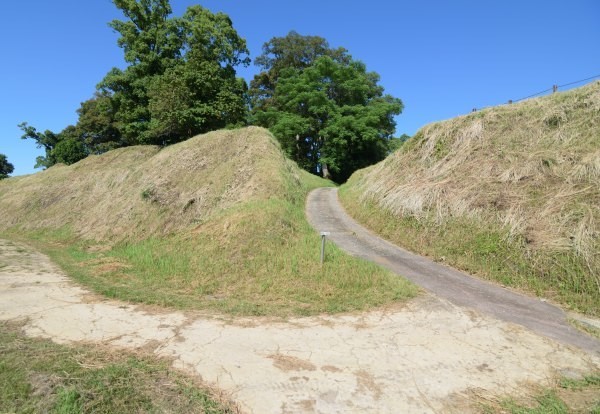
326	214
427	356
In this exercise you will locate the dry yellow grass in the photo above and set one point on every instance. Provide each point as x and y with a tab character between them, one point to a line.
530	170
216	222
144	190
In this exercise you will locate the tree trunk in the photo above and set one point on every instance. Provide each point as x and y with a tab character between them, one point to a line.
324	168
325	171
298	151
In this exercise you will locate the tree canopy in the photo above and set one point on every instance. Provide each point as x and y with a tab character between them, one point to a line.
330	114
180	81
6	168
395	143
65	147
280	53
331	117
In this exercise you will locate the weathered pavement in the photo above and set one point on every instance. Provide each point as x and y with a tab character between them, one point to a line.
326	214
428	356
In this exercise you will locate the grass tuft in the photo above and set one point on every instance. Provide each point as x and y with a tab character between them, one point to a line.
546	403
565	396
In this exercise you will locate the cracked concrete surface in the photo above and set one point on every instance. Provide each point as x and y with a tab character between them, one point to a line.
424	357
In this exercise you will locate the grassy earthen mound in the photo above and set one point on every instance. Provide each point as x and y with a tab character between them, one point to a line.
510	192
145	190
215	222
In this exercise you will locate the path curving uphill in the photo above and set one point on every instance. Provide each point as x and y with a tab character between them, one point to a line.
325	213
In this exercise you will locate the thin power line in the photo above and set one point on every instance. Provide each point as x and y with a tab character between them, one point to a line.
531	96
583	80
554	88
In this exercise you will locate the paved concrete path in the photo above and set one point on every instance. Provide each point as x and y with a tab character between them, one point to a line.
325	213
424	356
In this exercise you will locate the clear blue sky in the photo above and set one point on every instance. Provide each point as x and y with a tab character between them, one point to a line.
442	58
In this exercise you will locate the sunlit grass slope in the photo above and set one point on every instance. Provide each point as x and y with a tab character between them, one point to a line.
216	222
510	193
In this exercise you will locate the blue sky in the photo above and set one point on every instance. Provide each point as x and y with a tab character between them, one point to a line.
442	58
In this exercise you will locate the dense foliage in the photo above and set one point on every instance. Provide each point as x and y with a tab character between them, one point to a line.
331	117
180	81
280	53
329	113
6	167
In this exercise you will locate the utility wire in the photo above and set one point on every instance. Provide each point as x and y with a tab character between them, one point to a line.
554	88
583	80
531	96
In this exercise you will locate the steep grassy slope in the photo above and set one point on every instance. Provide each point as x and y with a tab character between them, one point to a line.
216	222
511	193
141	191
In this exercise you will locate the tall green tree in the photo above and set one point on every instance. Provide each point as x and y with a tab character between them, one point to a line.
65	147
97	126
180	81
6	168
151	43
332	117
202	92
293	51
181	77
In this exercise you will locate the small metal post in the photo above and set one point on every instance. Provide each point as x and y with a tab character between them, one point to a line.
324	234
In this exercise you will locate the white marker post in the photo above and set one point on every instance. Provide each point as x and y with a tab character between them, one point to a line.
323	235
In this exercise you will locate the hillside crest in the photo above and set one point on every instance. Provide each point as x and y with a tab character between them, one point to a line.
511	193
146	190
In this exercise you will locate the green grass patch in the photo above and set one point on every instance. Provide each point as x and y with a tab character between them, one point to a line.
592	380
254	258
40	376
266	263
566	396
484	250
546	403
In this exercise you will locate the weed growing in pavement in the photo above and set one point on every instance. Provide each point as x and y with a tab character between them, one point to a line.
566	396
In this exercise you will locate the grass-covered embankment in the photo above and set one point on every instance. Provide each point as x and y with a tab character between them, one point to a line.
214	223
510	193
